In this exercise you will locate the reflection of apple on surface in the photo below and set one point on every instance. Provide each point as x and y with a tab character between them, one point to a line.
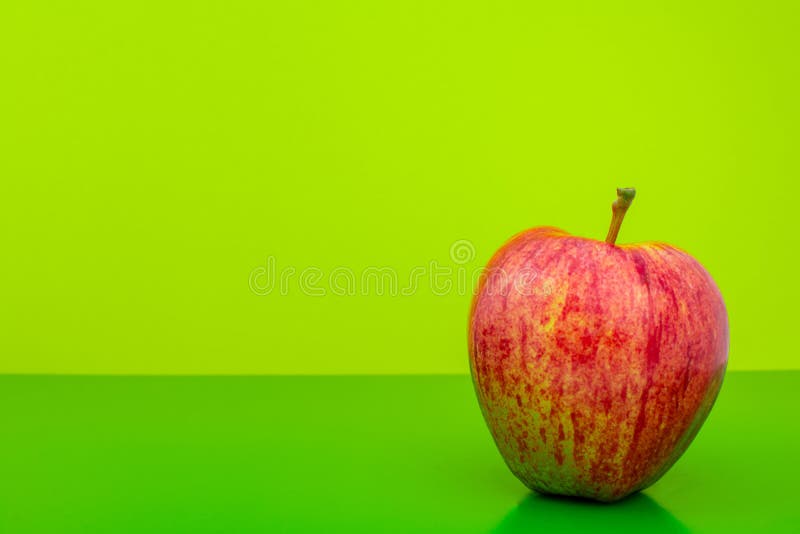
595	364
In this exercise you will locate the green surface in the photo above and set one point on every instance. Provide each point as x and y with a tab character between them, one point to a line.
369	454
153	154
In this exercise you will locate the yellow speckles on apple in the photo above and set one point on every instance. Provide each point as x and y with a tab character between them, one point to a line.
557	299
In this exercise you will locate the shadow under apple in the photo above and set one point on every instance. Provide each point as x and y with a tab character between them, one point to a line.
545	513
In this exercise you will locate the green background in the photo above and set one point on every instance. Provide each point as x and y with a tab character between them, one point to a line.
153	154
349	454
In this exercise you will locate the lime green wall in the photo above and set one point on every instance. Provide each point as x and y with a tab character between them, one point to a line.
153	155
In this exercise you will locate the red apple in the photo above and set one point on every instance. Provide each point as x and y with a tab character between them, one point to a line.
595	364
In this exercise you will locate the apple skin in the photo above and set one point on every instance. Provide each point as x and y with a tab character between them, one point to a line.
594	364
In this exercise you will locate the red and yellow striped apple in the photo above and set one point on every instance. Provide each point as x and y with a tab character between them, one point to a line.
595	364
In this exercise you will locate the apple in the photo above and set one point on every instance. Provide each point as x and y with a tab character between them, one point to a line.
595	364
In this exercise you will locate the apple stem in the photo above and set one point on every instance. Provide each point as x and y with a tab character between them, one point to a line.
618	208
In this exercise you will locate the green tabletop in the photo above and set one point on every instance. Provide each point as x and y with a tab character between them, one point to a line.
369	454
